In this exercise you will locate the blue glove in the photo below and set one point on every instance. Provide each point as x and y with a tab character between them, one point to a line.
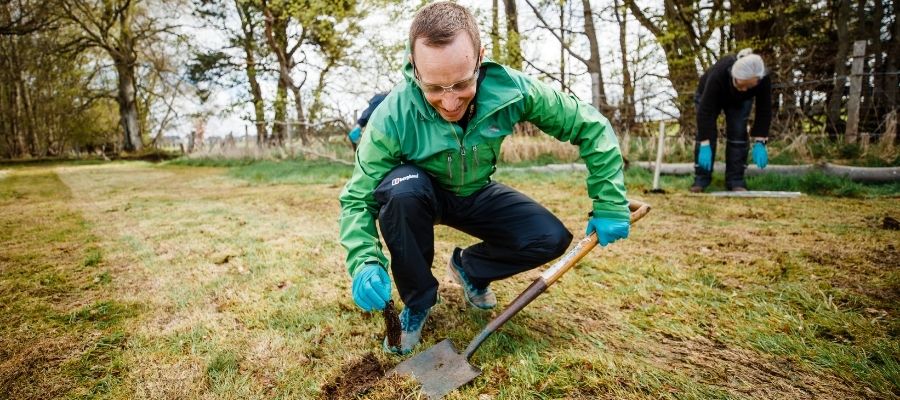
704	157
760	155
608	230
355	134
371	287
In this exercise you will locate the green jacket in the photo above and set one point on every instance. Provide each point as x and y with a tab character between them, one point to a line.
406	129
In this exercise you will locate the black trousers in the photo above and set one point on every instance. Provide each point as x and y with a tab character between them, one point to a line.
517	233
736	147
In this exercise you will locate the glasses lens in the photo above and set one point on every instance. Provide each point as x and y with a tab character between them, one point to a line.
460	86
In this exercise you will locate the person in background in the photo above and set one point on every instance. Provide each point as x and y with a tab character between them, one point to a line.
356	133
427	157
732	86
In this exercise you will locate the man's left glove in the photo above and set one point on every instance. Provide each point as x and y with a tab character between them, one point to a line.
608	230
371	287
760	155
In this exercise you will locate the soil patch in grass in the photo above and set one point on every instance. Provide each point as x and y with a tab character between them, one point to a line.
359	378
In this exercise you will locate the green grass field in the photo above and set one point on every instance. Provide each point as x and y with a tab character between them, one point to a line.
131	280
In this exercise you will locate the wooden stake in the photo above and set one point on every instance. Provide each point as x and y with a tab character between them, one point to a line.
890	131
856	71
659	154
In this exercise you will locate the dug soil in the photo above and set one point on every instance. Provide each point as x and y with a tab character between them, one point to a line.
360	377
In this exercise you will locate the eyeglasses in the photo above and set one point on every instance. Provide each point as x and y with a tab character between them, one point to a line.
433	89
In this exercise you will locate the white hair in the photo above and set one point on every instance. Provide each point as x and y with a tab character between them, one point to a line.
748	65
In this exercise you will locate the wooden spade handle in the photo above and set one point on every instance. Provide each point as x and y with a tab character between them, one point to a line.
584	246
551	275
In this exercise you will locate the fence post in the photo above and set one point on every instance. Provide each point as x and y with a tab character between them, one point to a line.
890	130
659	154
856	71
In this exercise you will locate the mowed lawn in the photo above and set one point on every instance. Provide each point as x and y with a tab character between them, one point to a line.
134	280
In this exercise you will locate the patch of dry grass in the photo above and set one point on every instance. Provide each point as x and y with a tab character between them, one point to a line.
523	148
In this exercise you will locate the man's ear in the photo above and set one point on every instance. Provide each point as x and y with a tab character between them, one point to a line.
481	53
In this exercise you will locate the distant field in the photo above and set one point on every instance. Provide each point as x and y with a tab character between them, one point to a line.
161	281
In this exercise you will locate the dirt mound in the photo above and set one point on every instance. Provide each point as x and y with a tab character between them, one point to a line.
359	377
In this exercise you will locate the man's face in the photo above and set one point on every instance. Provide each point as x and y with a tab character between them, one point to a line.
743	85
453	65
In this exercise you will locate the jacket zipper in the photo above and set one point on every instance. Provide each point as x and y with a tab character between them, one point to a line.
462	153
450	165
475	156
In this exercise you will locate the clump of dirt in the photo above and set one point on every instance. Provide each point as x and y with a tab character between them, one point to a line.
391	325
360	377
890	223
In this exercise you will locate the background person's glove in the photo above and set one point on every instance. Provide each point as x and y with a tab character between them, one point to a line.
608	230
355	134
704	157
371	287
760	154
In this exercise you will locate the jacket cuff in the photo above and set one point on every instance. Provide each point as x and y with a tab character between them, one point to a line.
611	211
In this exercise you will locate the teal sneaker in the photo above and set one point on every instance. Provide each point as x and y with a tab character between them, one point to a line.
411	324
480	298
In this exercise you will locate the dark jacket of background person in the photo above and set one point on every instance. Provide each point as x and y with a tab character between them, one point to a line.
373	104
716	91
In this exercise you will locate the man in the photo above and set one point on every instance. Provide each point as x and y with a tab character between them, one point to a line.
356	133
732	85
427	158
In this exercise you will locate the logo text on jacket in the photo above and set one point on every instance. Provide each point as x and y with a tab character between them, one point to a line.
396	181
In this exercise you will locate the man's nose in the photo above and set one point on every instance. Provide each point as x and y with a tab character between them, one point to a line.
451	100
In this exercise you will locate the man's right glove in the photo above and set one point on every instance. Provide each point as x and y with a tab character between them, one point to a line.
704	157
371	287
608	230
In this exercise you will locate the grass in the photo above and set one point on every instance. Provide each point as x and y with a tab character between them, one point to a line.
815	183
60	330
135	280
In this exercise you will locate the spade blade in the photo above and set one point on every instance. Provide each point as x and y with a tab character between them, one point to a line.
439	370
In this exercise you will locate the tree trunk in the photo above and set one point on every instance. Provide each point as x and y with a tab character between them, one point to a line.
835	123
279	127
127	99
892	62
562	46
513	47
249	44
496	51
594	66
285	65
627	110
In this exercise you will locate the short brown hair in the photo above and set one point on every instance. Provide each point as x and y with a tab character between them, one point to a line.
438	23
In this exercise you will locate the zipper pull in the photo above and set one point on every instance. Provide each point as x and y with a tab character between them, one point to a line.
462	152
475	155
450	165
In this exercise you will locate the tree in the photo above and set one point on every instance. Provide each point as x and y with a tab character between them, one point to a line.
323	27
683	30
592	61
627	108
514	57
118	27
